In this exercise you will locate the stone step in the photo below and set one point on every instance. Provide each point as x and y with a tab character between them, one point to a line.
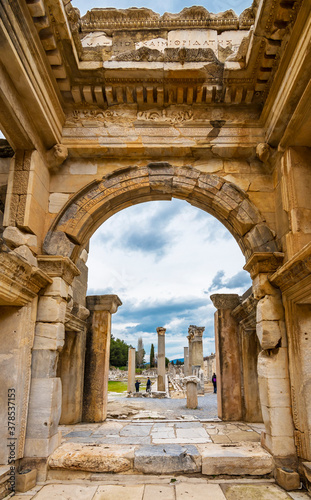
209	459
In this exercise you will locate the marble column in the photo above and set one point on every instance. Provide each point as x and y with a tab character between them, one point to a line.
228	357
192	392
95	393
190	337
131	370
186	361
197	346
161	358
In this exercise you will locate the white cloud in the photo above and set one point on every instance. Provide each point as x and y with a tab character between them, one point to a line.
162	258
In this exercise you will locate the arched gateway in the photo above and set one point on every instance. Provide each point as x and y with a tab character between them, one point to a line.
214	111
102	198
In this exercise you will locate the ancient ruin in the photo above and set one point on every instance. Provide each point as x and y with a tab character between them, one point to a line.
119	107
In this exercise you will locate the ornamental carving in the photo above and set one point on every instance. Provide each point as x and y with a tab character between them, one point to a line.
180	55
162	116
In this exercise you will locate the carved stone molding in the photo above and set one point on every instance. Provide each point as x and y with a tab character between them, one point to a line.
19	281
266	263
161	330
57	266
245	313
293	271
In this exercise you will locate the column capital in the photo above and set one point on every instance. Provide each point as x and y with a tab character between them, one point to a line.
108	303
225	300
58	266
161	330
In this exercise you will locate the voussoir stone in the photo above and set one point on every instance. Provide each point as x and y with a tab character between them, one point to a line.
93	458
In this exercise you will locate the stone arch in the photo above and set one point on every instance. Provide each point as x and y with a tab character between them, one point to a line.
102	198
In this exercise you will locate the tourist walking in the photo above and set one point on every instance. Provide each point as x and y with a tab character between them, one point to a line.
214	380
137	384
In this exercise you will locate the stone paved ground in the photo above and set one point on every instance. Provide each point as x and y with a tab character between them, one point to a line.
154	433
163	408
158	487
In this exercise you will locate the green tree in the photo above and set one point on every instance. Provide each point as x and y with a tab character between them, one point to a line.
118	352
166	362
152	356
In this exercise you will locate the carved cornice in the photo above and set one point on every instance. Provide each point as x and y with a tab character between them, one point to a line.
74	324
189	17
261	262
19	281
57	266
294	271
245	313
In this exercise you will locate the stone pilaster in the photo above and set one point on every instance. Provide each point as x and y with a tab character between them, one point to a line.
95	395
131	370
228	357
42	435
273	370
197	346
190	338
161	358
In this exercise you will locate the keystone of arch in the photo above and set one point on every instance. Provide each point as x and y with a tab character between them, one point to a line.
102	198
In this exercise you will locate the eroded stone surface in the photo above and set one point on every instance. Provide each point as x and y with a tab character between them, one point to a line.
167	459
99	458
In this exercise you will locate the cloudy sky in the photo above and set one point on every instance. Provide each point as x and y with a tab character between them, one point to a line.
164	259
162	6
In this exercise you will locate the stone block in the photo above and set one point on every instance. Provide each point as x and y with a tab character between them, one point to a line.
279	446
274	391
167	459
269	334
57	201
59	288
62	491
84	256
248	459
51	310
288	479
269	308
44	409
262	286
273	365
14	237
24	252
93	458
57	243
39	448
26	480
193	491
44	363
121	492
278	421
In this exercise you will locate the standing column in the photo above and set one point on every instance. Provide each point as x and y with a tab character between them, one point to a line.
190	337
228	357
131	370
95	394
161	358
186	361
197	346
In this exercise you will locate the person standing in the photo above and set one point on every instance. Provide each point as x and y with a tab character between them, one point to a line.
137	384
148	385
214	380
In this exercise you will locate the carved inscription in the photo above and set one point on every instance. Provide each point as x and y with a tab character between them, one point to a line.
97	39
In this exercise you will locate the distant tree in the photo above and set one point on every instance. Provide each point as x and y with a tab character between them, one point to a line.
178	362
118	352
140	353
152	356
166	362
